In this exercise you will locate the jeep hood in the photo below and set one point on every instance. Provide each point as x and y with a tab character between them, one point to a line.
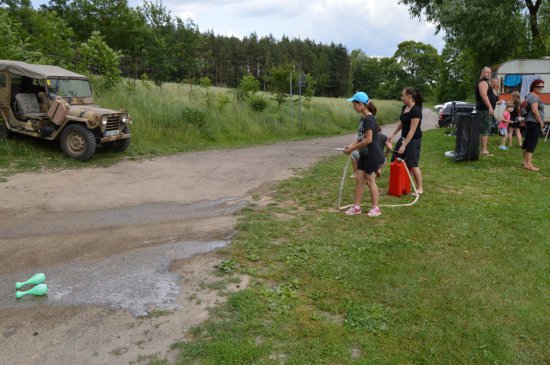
90	112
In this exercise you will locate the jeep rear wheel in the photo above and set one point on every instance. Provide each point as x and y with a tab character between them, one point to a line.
78	142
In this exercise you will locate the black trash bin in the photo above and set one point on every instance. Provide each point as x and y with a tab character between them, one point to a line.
468	135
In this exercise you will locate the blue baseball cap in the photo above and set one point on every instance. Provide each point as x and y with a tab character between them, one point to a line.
360	97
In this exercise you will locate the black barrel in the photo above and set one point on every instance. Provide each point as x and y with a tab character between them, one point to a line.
468	134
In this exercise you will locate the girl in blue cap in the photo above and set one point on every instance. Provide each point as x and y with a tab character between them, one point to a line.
371	156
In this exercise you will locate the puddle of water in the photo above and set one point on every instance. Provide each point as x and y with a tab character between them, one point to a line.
137	280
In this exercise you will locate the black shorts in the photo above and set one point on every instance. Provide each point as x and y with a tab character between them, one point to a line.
412	152
369	164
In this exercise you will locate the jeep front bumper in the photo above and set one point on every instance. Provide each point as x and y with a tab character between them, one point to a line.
115	138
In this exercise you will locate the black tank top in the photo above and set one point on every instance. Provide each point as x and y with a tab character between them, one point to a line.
480	105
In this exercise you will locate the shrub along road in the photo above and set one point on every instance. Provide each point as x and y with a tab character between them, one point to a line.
112	241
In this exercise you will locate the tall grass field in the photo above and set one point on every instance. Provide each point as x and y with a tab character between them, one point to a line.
180	117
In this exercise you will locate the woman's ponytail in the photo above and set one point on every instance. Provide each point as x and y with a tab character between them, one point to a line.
416	95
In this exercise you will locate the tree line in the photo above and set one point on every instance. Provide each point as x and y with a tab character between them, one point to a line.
111	39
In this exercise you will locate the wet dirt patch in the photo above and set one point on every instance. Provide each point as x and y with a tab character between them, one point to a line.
40	333
137	280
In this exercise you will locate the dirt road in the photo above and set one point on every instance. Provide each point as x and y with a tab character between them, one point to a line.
120	248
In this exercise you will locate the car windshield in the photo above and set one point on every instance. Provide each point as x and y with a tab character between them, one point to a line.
70	87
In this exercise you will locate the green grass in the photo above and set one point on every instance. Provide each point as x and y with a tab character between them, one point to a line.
178	118
462	277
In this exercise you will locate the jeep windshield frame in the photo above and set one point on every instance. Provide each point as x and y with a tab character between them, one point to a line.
69	88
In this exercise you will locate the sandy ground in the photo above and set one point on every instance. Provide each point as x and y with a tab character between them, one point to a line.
128	250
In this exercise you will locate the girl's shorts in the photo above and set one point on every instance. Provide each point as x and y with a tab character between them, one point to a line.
369	164
503	131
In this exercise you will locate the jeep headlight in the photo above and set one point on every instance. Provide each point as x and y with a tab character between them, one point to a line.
124	118
104	120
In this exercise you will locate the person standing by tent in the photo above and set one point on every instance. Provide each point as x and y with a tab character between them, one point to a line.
534	123
371	157
410	143
486	101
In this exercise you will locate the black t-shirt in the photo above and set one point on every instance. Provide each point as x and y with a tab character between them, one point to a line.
372	150
406	118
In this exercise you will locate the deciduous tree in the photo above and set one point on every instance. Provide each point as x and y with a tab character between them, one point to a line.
14	47
279	81
489	29
96	58
420	61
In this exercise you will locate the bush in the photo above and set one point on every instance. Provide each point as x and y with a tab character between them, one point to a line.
198	119
205	82
257	103
248	87
194	116
223	100
145	81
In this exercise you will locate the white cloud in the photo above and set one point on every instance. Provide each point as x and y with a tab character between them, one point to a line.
374	26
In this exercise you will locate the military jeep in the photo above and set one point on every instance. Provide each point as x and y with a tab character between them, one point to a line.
52	103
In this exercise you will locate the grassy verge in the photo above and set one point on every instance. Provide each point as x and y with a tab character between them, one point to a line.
178	118
460	278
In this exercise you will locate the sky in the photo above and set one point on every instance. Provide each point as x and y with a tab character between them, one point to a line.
374	26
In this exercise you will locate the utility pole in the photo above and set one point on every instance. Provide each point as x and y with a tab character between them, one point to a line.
302	83
291	96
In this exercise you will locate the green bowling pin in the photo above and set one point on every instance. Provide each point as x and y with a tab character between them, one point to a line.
36	279
39	289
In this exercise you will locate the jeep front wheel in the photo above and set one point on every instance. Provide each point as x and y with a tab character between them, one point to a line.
120	145
4	131
78	142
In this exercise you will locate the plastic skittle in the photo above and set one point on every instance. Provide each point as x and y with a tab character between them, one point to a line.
35	279
39	289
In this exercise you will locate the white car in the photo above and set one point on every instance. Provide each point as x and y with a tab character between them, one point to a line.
440	107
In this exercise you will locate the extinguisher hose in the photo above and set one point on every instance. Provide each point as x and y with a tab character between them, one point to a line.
344	175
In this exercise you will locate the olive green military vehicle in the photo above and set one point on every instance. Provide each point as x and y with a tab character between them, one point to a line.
49	102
